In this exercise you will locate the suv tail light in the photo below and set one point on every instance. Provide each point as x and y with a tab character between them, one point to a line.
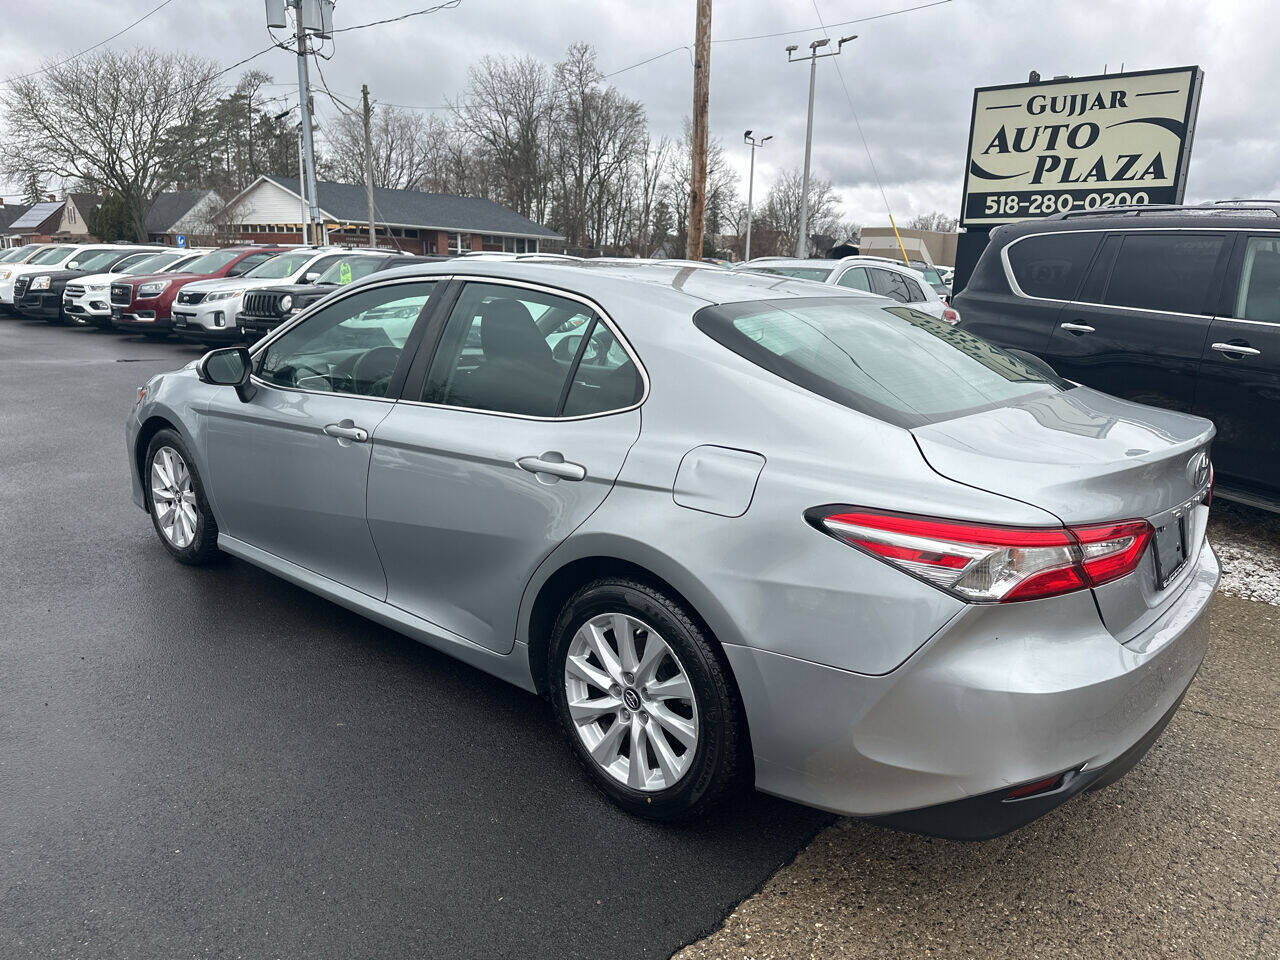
950	315
986	563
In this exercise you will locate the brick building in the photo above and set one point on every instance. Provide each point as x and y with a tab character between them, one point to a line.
270	210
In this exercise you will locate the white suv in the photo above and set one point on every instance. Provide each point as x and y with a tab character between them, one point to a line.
872	274
205	310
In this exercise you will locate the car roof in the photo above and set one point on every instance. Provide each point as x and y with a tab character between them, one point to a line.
700	284
1263	214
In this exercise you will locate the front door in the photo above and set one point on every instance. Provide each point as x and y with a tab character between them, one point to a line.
1139	326
288	470
1239	387
505	442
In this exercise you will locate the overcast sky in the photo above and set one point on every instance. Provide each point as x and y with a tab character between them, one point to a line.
911	76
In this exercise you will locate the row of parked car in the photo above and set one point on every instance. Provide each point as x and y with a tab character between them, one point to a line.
207	295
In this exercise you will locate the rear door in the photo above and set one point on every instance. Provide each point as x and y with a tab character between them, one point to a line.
1239	386
1139	327
507	438
1043	273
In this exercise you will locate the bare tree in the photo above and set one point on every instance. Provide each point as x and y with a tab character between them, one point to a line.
780	215
508	109
721	186
126	121
937	220
401	153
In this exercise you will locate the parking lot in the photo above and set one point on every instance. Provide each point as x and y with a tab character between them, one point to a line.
215	763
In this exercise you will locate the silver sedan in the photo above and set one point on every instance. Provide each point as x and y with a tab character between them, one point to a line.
736	528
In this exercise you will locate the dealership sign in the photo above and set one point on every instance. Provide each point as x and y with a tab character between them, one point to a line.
1079	144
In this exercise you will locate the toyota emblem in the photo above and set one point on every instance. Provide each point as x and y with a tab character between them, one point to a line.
1198	470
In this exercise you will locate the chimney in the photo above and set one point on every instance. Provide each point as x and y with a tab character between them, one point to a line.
51	197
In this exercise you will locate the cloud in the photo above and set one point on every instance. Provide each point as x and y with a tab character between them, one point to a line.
911	77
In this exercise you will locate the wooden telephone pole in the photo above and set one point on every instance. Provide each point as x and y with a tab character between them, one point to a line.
368	165
701	94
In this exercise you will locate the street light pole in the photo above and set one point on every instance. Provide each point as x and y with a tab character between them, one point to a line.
802	234
751	180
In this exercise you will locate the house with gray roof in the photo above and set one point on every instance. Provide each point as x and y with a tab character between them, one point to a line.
183	213
272	210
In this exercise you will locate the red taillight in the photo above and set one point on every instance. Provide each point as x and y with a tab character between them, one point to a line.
981	562
1047	785
950	315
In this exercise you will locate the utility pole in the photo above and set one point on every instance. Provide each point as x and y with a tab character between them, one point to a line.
305	108
701	94
302	188
802	235
751	182
368	164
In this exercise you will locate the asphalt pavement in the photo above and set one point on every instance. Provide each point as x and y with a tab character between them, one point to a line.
213	763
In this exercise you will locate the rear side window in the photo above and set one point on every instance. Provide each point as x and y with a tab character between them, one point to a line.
896	286
1165	271
1259	295
893	363
1050	266
856	279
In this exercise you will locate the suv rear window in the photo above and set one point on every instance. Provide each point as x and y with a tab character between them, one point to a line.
1050	266
893	363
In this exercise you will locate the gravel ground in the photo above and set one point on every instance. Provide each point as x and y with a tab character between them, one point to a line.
1247	542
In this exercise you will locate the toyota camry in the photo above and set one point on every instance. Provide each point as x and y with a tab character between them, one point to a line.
738	529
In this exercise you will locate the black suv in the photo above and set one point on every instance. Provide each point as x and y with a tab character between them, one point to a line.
266	308
1174	306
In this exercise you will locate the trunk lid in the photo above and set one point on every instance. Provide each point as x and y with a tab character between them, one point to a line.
1088	457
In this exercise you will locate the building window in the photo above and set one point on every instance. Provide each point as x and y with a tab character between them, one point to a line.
411	234
459	243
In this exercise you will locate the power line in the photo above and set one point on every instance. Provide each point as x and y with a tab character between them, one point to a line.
449	5
54	66
782	33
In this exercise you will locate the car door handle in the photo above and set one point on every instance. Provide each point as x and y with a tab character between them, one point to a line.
553	464
346	430
1077	327
1236	348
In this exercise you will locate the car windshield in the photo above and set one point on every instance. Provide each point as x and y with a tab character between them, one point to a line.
351	268
893	363
16	253
800	273
151	264
212	262
93	260
52	255
277	268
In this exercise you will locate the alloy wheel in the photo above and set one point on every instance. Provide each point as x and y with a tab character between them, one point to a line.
173	497
631	702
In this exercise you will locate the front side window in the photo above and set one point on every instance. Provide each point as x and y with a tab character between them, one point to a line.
1050	266
1165	271
893	363
855	278
1259	294
352	346
512	350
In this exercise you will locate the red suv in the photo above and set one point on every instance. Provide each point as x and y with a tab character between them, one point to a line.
143	303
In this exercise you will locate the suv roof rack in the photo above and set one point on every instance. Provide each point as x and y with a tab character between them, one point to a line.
1271	207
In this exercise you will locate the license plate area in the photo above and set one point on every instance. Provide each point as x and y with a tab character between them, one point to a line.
1171	550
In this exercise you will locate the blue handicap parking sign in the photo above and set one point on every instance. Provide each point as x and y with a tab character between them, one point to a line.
182	239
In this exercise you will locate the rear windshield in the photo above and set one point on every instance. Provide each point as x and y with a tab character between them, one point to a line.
800	273
892	362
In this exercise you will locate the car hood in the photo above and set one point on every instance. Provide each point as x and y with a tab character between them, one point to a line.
96	278
149	277
1080	454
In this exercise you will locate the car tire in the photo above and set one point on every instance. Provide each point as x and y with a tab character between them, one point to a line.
695	750
176	501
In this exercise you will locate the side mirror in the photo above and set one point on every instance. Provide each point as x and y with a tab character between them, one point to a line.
311	277
228	367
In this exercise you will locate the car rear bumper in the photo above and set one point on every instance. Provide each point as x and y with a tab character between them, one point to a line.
1003	695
